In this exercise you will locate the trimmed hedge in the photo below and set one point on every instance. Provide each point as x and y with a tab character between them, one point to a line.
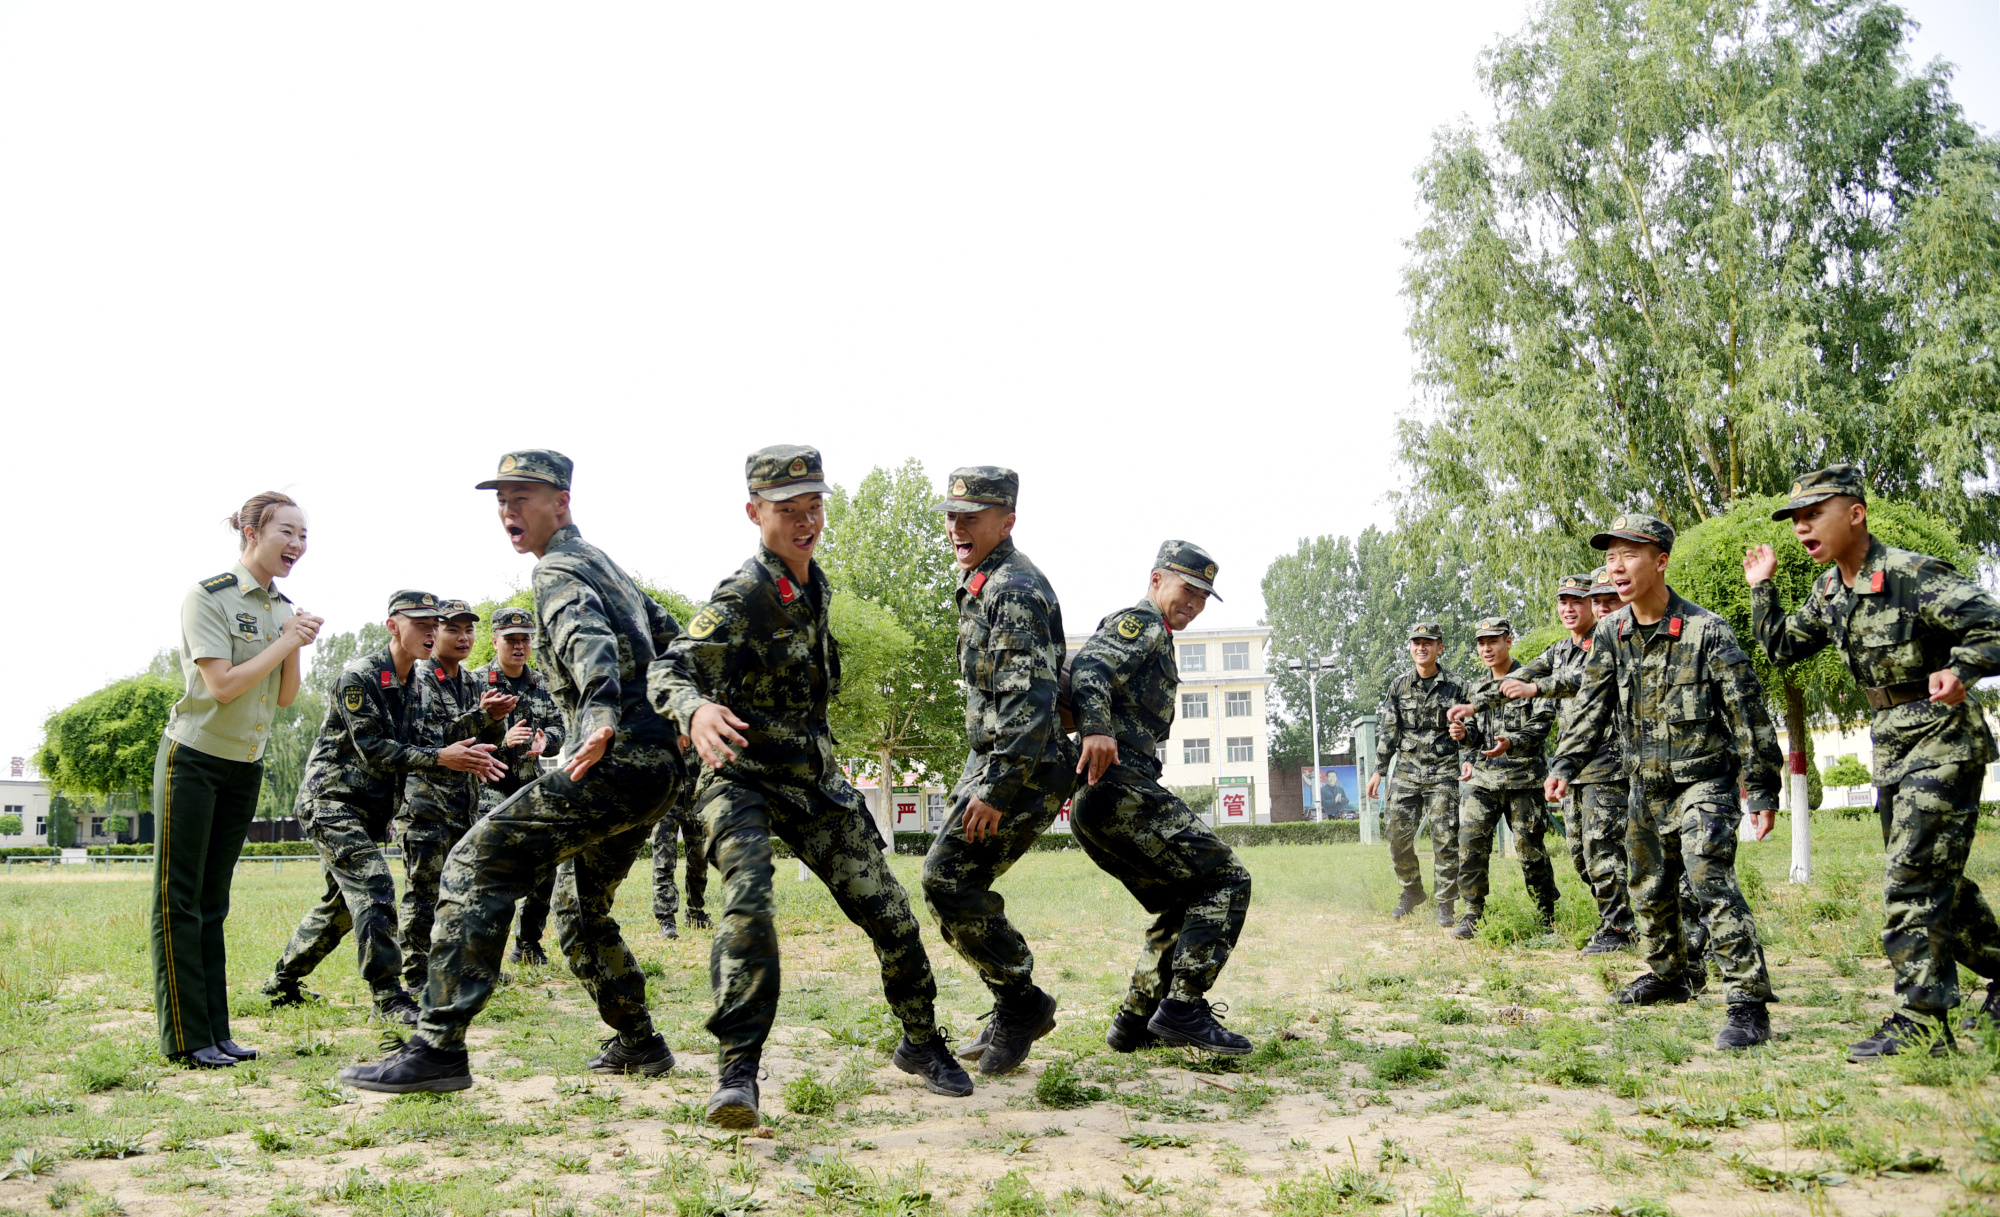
29	851
278	849
120	851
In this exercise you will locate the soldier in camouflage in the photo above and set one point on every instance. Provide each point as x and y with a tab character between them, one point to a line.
587	821
1668	678
533	730
1414	734
1594	810
1022	767
348	796
439	805
750	682
679	833
1503	777
1123	683
1916	636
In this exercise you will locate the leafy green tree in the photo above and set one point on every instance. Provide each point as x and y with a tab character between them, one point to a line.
885	544
1707	568
294	727
104	743
871	721
1846	772
1705	245
10	826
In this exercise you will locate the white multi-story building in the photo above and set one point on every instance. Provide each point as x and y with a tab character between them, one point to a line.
24	794
1219	734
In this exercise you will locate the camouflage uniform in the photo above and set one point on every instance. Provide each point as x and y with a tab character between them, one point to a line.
1906	616
438	804
537	709
347	797
596	633
1691	723
1022	763
683	824
1123	684
1594	809
1414	733
1507	785
763	647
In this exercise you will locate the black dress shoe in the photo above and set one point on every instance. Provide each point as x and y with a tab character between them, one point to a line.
210	1057
413	1067
237	1050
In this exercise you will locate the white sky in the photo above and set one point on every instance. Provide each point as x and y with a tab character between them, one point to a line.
1146	254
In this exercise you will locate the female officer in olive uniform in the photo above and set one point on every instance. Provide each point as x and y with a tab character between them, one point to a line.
240	641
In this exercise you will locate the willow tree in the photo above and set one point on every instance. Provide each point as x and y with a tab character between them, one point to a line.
1705	244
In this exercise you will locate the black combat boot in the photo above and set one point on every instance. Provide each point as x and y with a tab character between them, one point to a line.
650	1059
287	993
413	1067
932	1061
1446	917
1747	1025
667	927
974	1048
1604	942
1468	926
1015	1026
398	1007
1652	990
734	1104
1901	1033
1129	1033
1191	1024
1412	900
698	920
1988	1009
530	953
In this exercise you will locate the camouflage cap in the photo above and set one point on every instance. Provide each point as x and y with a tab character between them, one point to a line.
414	604
512	620
449	609
1190	562
785	471
977	487
1427	629
1600	582
1573	585
1632	526
532	465
1821	485
1493	627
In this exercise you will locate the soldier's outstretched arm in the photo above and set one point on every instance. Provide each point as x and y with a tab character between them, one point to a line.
1104	664
1757	750
1958	607
1788	639
580	638
1024	698
687	683
1597	691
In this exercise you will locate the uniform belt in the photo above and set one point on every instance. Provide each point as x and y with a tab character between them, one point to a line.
1881	697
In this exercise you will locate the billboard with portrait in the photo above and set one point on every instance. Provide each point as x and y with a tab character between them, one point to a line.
1332	791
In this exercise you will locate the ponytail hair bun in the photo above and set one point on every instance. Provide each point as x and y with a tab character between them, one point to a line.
255	513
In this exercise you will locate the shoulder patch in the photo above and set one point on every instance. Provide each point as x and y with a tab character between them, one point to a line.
353	699
218	583
704	622
1129	626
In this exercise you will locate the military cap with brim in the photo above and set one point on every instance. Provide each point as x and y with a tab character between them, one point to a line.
1601	584
1573	585
512	620
1633	526
1427	629
785	471
412	603
977	487
1821	485
449	609
1190	562
1493	627
532	465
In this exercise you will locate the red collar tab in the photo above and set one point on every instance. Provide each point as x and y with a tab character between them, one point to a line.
493	676
388	680
1586	644
1625	626
977	581
1875	582
438	670
786	592
1674	627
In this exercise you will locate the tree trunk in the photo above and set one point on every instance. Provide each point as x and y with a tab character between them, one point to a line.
1796	739
885	802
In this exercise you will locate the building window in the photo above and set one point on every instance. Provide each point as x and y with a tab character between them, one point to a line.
934	809
1242	748
1194	657
1236	705
97	826
1236	657
1194	752
1160	752
41	826
1194	705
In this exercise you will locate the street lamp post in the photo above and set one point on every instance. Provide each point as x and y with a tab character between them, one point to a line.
1312	668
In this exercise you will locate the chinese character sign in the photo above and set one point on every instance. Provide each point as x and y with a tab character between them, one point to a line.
1234	802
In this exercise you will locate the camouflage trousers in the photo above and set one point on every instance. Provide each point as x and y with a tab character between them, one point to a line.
1479	814
1178	870
534	913
842	846
360	896
1679	831
959	874
424	847
586	834
684	825
1935	917
1594	828
1409	802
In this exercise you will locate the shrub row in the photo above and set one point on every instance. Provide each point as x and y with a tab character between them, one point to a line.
278	849
28	851
120	851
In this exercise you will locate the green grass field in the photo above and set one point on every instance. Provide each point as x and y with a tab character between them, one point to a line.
1398	1070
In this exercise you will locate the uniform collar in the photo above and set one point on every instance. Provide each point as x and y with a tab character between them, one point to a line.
780	574
383	661
990	563
246	583
1872	565
568	536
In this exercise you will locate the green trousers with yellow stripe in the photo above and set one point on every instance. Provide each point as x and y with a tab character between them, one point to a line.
202	807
